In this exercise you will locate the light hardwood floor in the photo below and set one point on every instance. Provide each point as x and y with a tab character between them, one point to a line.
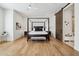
21	47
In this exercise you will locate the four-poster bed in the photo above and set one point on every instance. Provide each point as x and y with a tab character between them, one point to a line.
38	30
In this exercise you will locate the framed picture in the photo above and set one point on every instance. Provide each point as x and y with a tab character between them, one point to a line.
18	26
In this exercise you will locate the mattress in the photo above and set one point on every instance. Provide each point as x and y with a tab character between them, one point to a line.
38	32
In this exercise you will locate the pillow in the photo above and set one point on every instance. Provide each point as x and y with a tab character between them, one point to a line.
33	29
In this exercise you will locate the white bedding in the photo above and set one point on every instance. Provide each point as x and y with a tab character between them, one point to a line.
38	32
38	38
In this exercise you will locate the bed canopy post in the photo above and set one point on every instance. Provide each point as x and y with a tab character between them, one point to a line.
48	24
27	24
44	26
32	26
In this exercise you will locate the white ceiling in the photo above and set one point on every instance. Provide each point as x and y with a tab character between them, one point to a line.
38	9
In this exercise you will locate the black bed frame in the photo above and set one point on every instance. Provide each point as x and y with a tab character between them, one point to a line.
31	35
44	35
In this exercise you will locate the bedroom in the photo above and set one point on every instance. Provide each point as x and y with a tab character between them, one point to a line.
34	26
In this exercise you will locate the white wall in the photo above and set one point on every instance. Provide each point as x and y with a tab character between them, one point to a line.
68	33
76	43
67	22
11	17
17	17
1	20
9	24
52	26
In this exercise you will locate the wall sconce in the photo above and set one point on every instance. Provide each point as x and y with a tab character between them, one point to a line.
66	23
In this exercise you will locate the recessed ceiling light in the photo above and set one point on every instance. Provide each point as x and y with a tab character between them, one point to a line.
29	6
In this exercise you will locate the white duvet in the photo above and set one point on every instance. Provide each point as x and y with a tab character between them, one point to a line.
38	32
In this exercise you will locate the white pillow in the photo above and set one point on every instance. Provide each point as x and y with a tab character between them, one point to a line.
33	29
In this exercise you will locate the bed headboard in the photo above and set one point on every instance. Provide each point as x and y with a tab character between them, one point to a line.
38	28
32	24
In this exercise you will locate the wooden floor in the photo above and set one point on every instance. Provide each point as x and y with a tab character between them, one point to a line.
21	47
